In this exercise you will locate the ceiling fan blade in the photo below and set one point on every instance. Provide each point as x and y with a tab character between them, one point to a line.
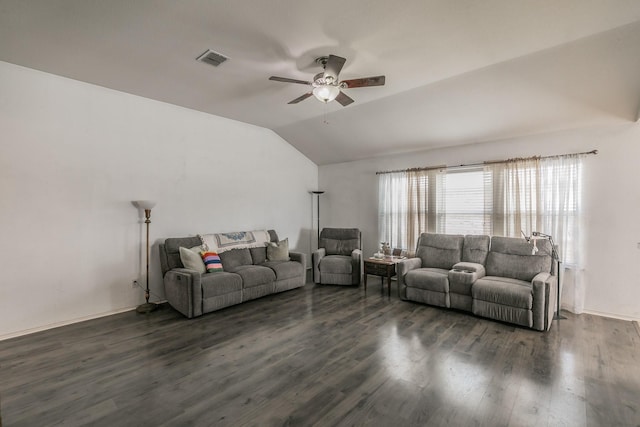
287	80
333	66
364	82
301	98
343	99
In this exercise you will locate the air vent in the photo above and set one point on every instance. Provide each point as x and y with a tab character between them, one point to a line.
212	58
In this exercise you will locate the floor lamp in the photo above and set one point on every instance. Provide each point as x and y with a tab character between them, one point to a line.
556	256
318	193
147	205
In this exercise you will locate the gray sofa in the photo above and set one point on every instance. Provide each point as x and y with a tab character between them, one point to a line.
494	277
247	275
338	260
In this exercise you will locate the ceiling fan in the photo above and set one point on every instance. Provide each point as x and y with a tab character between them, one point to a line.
326	86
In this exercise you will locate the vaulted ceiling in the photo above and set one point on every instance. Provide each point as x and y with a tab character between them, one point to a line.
457	72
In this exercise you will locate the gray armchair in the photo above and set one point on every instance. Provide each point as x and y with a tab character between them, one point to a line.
338	260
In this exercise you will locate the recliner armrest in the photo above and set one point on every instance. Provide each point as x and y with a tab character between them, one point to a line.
543	287
316	256
470	267
299	257
358	265
404	266
182	288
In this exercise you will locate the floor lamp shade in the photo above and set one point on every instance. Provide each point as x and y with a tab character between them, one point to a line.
147	205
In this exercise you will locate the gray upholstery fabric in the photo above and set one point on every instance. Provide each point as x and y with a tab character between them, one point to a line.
221	301
338	260
511	257
278	251
475	249
235	258
504	290
258	255
193	294
285	269
220	283
254	275
439	250
339	241
337	264
504	313
507	283
432	279
258	291
439	299
170	251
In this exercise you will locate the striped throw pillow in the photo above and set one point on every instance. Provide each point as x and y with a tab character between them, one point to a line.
211	262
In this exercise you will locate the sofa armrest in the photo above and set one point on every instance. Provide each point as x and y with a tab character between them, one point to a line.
358	266
316	256
544	288
182	288
402	268
299	257
470	267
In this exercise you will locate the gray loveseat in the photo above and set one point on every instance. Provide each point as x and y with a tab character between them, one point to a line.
247	275
494	277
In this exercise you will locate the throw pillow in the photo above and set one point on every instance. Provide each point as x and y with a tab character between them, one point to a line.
191	259
278	251
212	262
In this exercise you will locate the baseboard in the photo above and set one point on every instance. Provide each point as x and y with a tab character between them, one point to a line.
65	323
612	316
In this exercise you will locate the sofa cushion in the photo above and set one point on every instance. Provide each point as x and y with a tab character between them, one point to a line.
431	279
336	264
285	269
254	275
235	258
504	291
511	257
278	251
220	284
258	255
475	249
439	250
191	259
339	241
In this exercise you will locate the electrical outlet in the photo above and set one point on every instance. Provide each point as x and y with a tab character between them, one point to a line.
134	284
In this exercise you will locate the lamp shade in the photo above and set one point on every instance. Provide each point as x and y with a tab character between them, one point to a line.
145	204
326	93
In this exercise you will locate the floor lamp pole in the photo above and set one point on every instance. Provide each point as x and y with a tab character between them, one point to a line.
147	306
318	193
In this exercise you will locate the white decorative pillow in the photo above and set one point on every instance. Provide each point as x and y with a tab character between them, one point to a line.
278	251
192	260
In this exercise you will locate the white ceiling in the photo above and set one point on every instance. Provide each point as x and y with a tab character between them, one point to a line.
457	72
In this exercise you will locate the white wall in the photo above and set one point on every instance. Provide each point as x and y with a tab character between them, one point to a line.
73	158
611	204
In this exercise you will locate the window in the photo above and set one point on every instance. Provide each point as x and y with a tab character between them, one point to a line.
506	198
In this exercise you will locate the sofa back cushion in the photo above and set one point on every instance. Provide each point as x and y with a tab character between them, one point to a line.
170	251
475	249
235	258
511	257
339	241
439	250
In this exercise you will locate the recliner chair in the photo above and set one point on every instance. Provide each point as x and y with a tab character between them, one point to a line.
338	260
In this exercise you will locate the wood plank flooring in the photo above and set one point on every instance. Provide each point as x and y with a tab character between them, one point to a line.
322	356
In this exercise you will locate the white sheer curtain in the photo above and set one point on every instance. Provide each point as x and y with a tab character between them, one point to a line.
543	195
393	205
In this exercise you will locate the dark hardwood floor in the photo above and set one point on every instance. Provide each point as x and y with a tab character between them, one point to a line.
322	355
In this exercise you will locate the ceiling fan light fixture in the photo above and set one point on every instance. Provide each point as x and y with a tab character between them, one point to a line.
326	93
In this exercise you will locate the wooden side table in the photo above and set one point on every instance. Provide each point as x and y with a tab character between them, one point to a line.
384	267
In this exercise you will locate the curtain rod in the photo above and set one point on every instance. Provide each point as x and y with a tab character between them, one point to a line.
490	162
